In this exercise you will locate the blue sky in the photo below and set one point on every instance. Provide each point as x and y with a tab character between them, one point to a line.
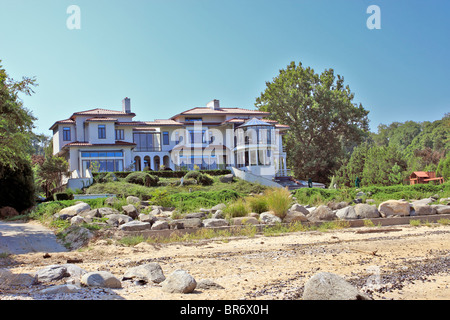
169	56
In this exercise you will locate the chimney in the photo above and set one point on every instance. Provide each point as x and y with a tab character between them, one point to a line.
213	104
126	105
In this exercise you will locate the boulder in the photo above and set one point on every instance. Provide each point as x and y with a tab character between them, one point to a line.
269	218
329	286
191	223
211	223
77	220
322	213
150	272
76	237
199	215
135	226
130	210
219	206
337	205
422	201
63	288
111	201
160	225
424	210
299	208
366	211
218	215
441	209
147	218
133	199
294	216
226	178
237	221
179	281
72	211
117	219
51	273
347	213
90	215
394	208
103	279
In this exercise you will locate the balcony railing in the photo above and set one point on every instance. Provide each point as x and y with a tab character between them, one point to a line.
147	149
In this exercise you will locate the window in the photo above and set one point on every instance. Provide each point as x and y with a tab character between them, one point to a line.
147	141
165	138
96	154
120	134
191	119
197	136
101	131
66	134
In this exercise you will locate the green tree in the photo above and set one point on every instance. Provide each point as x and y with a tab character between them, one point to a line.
16	124
443	168
379	164
347	173
51	172
324	122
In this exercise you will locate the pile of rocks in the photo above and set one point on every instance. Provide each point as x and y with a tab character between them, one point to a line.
131	217
64	279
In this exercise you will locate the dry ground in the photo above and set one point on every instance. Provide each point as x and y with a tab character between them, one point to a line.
406	263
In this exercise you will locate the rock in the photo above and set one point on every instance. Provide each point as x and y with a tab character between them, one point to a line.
133	199
111	201
72	211
424	209
445	201
117	219
199	215
135	226
299	208
191	223
226	178
150	272
160	225
76	237
394	207
347	213
90	214
441	209
293	216
207	284
103	279
179	281
220	206
329	286
321	213
218	215
366	211
130	210
8	212
175	224
211	223
147	218
244	220
51	273
155	212
422	201
269	218
77	220
63	288
337	205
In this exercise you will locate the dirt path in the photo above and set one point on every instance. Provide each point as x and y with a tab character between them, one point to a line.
405	263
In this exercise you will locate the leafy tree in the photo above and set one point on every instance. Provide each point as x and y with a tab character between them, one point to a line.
354	167
396	175
379	164
16	124
324	122
443	168
51	172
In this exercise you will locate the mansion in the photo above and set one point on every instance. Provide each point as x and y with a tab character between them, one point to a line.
209	137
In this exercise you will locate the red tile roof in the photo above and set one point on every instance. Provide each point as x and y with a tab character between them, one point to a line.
164	122
221	111
103	112
87	144
101	119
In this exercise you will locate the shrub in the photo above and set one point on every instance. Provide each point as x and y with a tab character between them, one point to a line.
62	196
236	209
193	175
257	204
278	200
142	178
201	178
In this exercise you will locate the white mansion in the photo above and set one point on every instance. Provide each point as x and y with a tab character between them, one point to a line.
209	137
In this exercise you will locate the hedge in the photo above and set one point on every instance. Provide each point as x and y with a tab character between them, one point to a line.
166	173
